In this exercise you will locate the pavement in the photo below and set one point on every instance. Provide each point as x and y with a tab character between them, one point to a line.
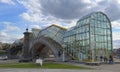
109	67
50	70
102	68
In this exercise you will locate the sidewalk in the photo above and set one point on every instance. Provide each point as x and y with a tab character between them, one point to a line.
103	67
50	70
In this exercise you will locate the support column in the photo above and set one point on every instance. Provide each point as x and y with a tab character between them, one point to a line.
25	49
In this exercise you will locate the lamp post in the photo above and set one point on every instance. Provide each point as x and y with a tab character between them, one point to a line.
92	55
92	47
63	59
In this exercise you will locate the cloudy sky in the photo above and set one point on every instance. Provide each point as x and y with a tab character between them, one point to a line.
16	14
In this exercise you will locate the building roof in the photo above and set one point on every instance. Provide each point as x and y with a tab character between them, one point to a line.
55	26
89	15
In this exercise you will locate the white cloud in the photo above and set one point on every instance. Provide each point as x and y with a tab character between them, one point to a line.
97	1
59	11
35	26
6	35
3	34
5	22
116	44
87	1
31	17
10	38
116	35
116	24
26	16
33	13
113	9
7	1
9	27
44	10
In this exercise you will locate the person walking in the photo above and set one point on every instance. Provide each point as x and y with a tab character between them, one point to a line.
111	59
101	58
105	59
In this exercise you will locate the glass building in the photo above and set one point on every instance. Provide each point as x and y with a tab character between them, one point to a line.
91	38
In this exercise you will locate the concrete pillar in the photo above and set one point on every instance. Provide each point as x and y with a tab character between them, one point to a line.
25	49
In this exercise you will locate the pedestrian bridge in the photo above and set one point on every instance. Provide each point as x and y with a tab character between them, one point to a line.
48	41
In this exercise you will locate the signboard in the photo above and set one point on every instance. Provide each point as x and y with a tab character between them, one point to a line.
39	61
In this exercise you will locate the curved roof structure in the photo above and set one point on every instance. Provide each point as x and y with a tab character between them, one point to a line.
94	15
92	32
54	32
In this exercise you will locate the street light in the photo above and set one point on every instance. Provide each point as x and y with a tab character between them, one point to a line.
63	59
92	47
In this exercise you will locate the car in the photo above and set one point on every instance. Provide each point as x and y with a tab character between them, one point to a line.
3	57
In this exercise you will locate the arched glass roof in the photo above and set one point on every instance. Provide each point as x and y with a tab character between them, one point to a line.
93	15
54	32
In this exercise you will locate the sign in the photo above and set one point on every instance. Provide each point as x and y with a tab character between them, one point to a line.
39	61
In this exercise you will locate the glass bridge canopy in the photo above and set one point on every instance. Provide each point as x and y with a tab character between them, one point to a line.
54	32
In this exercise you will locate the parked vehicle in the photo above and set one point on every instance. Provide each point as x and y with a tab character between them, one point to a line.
3	57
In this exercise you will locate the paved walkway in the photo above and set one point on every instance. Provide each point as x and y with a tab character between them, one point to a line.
50	70
101	68
113	67
104	67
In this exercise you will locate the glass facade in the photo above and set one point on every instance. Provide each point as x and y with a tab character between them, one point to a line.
90	38
54	32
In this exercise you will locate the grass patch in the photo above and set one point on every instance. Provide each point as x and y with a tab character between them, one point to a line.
2	52
45	65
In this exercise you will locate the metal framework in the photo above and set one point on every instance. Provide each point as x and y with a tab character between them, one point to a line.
88	40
